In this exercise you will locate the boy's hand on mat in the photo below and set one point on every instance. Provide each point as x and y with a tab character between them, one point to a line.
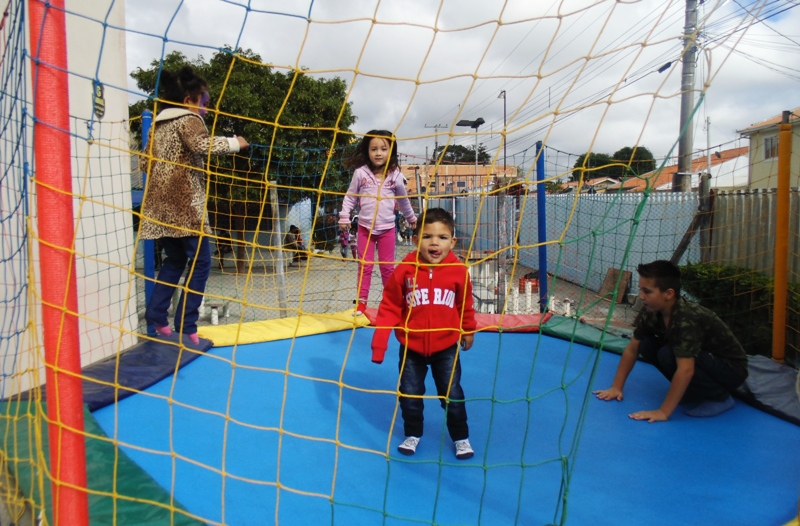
612	393
656	415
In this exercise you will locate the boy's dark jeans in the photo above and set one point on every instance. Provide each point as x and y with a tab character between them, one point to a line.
713	379
443	364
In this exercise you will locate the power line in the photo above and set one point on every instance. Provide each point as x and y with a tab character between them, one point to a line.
436	135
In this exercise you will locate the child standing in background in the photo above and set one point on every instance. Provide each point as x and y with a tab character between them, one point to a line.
293	243
377	185
428	302
352	239
174	209
344	241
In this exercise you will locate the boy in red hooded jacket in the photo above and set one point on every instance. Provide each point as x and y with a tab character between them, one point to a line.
428	302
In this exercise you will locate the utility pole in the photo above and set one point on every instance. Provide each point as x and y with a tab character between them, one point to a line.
681	181
436	137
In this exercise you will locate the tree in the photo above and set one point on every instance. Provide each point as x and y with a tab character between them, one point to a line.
639	158
595	165
459	154
298	126
553	187
626	162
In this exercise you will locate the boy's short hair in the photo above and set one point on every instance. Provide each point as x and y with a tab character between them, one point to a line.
436	215
664	274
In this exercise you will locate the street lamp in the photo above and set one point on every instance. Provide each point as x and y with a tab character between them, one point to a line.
473	124
503	96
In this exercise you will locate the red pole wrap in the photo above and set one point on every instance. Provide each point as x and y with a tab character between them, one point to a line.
53	179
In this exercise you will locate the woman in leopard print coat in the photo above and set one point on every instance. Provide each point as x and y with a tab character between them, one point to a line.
174	206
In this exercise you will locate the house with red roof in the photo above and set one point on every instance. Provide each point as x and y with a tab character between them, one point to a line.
728	169
763	160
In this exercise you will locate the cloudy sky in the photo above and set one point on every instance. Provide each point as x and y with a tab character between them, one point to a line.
580	75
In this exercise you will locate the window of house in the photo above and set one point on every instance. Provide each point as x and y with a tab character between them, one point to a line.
771	147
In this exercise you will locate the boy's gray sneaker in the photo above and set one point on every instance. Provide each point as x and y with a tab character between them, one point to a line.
463	449
409	446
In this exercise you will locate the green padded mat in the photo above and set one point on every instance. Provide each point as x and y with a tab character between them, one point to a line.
571	329
138	498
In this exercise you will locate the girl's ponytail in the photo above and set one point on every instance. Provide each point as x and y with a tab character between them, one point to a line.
174	88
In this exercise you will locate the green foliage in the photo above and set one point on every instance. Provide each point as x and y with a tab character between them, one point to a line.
293	121
638	160
742	298
459	154
553	187
594	166
626	162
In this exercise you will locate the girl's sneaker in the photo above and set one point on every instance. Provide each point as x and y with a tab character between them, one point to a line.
163	331
463	449
409	446
361	306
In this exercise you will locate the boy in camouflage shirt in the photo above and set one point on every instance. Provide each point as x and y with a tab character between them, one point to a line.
688	343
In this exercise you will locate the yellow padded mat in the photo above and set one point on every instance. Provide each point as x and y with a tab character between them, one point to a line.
281	328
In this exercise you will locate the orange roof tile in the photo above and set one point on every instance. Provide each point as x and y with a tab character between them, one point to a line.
656	178
794	116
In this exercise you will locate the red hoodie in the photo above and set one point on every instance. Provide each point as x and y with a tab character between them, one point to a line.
427	305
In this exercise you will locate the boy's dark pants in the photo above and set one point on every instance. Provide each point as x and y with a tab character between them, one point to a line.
443	364
713	378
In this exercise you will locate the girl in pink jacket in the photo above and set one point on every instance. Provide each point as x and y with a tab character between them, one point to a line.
376	186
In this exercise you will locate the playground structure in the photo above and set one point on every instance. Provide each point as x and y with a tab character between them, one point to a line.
76	290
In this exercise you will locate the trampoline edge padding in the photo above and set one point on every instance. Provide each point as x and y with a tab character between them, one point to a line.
121	375
494	322
312	324
281	328
772	387
135	369
120	492
571	329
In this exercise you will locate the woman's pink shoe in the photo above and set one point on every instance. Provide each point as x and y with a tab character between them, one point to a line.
164	331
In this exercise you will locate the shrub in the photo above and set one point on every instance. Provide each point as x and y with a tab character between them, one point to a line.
743	299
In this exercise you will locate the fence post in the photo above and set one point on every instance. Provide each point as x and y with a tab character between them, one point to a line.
782	239
276	227
148	244
503	245
541	210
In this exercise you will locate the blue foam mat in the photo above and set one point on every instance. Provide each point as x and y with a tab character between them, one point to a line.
532	425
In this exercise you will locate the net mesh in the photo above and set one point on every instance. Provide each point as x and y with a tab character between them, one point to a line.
299	109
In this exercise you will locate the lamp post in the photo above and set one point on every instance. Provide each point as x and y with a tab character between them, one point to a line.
503	96
419	189
473	124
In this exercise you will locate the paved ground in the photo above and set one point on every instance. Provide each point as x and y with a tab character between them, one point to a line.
327	283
